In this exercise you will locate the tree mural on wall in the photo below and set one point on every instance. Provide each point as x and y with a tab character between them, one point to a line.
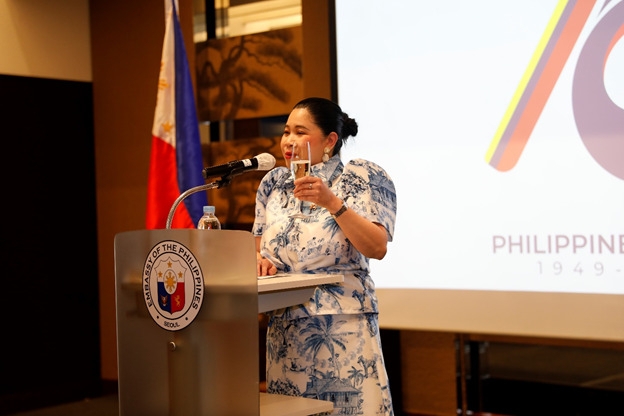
249	76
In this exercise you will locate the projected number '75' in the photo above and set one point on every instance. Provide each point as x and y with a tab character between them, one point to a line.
599	121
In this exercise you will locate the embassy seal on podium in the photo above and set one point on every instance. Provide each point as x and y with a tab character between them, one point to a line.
173	285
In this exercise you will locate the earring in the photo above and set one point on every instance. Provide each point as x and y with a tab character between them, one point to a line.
325	157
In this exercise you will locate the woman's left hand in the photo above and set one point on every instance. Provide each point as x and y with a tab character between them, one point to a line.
313	189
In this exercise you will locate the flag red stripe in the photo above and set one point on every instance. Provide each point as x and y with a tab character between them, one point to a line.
162	188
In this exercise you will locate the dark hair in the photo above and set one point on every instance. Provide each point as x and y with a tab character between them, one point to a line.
330	118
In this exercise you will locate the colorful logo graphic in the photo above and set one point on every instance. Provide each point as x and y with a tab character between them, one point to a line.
170	275
599	121
173	285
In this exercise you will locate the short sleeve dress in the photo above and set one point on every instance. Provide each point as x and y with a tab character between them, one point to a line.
327	348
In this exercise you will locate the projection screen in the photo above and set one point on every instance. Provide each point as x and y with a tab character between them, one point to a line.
502	125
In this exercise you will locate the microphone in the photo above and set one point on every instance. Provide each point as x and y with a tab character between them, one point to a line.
263	161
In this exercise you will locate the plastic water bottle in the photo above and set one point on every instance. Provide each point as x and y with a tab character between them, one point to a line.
209	220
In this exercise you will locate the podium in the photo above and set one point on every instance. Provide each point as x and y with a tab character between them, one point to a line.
187	324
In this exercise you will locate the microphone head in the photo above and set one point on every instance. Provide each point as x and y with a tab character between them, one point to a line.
266	161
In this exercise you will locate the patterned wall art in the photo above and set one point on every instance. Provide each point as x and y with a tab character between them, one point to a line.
250	76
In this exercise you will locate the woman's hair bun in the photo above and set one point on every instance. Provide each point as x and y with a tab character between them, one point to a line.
349	126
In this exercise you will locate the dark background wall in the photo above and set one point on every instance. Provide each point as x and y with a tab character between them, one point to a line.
51	348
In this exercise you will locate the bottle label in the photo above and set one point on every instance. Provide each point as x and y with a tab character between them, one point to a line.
209	224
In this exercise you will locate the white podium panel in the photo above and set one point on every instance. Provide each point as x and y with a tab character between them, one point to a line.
280	405
283	290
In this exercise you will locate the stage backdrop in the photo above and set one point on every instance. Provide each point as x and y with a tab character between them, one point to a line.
502	124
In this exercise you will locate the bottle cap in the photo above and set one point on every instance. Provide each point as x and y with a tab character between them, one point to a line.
209	209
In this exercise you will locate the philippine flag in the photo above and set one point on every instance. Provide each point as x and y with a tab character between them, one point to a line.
176	161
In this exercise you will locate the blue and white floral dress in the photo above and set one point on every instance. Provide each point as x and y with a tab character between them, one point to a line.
329	347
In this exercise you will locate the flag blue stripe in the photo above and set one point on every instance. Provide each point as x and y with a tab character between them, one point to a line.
189	158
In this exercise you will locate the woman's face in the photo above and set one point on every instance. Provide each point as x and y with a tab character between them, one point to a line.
299	128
